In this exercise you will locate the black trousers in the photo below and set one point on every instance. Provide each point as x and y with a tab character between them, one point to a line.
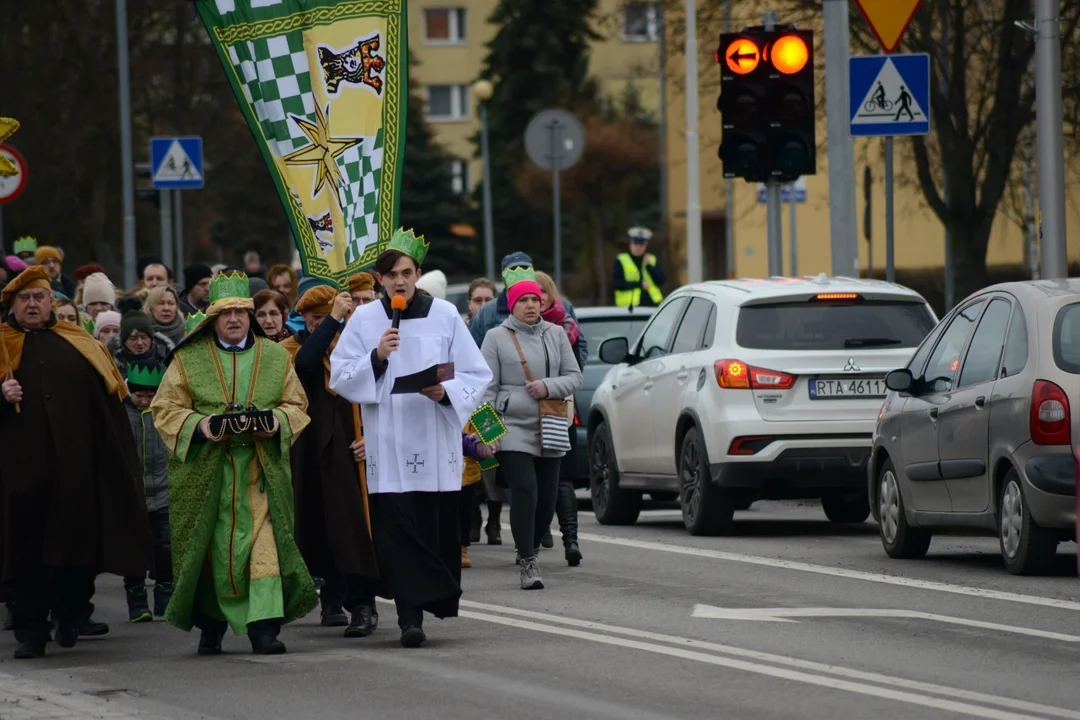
65	592
466	508
534	487
159	532
347	590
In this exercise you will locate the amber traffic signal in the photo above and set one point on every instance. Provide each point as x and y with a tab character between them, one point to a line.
767	104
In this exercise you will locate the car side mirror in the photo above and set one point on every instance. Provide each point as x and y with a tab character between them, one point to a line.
900	380
614	350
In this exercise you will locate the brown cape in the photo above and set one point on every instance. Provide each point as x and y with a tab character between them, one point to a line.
332	531
72	494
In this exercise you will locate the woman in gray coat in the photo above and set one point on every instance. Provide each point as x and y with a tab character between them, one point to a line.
531	470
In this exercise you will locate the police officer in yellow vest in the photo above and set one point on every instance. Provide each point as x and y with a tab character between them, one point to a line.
637	277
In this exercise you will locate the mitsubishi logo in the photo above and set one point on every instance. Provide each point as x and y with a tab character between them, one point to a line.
852	366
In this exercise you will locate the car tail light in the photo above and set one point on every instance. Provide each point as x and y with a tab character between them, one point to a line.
750	445
836	296
737	375
1049	421
577	420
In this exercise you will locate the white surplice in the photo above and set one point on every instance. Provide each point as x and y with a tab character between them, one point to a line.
413	443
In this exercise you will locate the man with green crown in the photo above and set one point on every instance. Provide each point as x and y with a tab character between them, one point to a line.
229	408
410	363
24	248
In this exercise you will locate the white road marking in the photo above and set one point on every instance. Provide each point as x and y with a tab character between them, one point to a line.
880	578
786	615
980	711
808	665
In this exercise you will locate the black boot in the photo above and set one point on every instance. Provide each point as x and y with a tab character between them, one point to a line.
138	606
411	623
567	512
210	642
494	523
9	618
162	595
67	634
88	627
30	643
263	635
365	620
332	598
475	527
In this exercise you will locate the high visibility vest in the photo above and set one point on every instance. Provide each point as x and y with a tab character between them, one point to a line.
632	298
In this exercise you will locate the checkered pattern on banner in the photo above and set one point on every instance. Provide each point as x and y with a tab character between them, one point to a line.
276	81
361	170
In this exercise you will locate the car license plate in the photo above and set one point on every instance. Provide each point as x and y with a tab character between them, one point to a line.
846	387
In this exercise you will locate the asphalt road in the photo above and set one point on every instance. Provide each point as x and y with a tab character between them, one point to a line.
795	618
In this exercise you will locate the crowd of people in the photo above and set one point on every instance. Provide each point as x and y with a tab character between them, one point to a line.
260	444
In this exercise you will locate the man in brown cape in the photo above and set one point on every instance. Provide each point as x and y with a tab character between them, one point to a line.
333	529
76	507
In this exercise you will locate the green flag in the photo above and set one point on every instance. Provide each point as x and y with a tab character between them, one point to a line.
323	85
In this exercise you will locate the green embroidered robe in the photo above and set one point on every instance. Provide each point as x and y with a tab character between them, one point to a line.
231	502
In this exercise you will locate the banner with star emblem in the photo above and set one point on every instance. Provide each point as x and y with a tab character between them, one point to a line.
323	87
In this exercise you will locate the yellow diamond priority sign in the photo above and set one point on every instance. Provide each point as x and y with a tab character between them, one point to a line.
889	19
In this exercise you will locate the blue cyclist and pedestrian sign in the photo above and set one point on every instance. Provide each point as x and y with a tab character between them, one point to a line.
889	95
176	163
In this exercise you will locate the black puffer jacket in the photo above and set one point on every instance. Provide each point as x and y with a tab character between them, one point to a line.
159	352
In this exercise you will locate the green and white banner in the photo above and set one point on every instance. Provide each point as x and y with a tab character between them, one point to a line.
323	85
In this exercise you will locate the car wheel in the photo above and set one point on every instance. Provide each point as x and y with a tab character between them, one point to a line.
1026	548
899	539
611	505
706	509
846	508
664	497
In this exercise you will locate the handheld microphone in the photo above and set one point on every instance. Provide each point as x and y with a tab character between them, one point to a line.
398	304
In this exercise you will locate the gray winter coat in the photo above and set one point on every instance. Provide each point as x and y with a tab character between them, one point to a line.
550	358
153	457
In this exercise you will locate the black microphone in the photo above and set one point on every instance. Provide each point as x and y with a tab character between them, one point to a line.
398	304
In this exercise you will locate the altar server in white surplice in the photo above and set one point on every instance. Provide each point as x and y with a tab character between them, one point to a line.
413	440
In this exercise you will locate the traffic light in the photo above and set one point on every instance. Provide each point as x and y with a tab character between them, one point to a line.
767	104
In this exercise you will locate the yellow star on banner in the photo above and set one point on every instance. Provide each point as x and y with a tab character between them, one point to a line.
8	126
322	152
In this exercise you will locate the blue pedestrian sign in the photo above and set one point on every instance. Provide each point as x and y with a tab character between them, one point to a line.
176	163
799	187
889	95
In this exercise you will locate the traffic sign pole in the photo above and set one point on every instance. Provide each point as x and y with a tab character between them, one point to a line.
165	218
556	157
729	189
890	266
794	249
178	230
694	269
841	148
1048	118
774	208
127	163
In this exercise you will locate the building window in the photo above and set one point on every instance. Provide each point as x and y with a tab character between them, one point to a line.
640	22
444	26
448	102
459	176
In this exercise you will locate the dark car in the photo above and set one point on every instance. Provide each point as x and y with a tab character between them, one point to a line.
598	324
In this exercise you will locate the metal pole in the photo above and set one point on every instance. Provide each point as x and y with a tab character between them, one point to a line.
841	148
945	81
489	229
127	163
165	218
775	223
178	230
556	156
662	81
1051	146
729	189
890	265
693	175
1031	231
794	249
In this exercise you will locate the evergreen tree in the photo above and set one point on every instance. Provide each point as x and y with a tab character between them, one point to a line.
538	59
428	201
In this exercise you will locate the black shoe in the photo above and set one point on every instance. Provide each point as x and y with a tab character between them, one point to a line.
412	636
210	642
334	617
138	606
547	542
263	635
365	620
89	628
9	619
30	650
67	634
162	595
573	554
494	534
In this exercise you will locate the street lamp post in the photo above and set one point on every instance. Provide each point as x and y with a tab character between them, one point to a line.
483	90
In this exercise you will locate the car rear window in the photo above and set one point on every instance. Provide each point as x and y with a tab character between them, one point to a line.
832	325
1067	339
597	330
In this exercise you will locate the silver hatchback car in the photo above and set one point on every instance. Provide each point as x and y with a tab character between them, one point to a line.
976	434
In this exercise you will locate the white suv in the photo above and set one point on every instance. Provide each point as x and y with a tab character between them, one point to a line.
743	390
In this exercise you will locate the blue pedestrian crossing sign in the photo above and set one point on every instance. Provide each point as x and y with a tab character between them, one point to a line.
889	95
176	163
